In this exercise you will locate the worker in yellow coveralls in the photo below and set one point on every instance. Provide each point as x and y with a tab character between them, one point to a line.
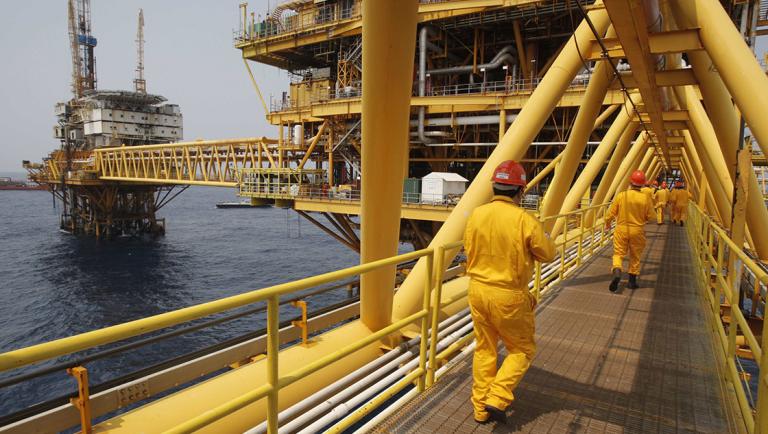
631	209
648	190
502	241
660	200
679	198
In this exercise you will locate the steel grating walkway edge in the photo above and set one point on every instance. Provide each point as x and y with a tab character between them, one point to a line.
639	361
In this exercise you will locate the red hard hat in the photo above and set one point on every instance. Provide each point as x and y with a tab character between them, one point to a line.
655	183
679	184
637	178
509	173
663	184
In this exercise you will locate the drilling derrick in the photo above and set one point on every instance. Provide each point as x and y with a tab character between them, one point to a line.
95	119
140	84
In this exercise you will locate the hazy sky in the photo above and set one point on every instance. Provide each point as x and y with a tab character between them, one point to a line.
189	58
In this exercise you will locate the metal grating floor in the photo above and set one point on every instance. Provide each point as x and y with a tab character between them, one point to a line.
637	361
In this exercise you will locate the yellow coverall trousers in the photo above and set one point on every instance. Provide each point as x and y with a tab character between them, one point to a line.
678	212
505	314
628	239
660	213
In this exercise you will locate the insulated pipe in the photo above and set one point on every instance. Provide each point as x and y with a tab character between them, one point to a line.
389	38
577	140
505	54
345	408
512	146
353	380
613	166
594	165
326	412
463	120
631	161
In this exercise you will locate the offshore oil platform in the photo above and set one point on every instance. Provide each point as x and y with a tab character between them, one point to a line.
95	119
395	117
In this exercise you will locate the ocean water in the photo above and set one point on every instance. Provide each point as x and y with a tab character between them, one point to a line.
53	284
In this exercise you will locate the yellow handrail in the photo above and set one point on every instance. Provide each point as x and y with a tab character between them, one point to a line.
709	241
60	347
424	374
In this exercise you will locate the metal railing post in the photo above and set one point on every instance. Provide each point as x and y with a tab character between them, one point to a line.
273	348
83	401
425	321
439	266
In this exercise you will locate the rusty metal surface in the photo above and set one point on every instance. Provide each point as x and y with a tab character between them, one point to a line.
637	361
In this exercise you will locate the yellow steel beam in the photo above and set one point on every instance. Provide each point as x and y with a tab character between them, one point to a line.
673	41
671	77
632	28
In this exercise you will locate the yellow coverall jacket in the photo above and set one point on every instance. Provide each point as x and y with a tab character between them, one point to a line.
502	241
648	191
631	209
660	202
679	198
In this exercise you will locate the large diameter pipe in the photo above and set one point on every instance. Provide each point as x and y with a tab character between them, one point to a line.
389	38
577	140
595	163
720	194
722	113
734	60
512	146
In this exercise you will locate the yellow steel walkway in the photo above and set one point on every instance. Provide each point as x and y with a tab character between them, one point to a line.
637	361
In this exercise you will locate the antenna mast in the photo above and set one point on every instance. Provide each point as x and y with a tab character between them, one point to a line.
139	82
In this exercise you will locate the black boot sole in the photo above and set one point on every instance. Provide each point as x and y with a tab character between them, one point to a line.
496	415
614	286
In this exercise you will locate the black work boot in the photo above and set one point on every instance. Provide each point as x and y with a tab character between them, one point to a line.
614	286
633	282
496	414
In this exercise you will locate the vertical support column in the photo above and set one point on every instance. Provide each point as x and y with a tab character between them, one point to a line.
502	122
512	146
389	38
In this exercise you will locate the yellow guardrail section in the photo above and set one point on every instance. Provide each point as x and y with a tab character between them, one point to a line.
578	242
211	162
720	264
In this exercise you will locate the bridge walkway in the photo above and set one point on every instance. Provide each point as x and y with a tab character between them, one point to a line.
639	361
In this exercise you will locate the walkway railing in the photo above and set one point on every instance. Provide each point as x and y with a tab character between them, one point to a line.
722	268
580	242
